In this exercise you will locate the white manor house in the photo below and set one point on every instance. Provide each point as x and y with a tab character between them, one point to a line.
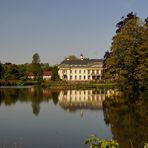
81	69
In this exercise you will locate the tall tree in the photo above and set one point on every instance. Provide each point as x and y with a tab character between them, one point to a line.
126	50
106	56
1	70
36	66
142	68
55	75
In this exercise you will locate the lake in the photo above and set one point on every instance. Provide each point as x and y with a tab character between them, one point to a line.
35	117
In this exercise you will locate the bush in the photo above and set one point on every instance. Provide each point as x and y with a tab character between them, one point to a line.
95	142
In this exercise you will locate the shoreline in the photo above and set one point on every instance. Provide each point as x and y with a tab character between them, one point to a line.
57	84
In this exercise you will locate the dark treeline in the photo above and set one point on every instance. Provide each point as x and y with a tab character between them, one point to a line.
10	71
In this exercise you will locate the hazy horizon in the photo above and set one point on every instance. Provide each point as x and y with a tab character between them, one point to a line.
56	29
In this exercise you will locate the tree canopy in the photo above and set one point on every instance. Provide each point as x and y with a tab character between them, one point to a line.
126	61
36	66
71	57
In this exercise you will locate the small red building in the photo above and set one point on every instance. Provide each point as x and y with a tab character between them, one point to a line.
46	75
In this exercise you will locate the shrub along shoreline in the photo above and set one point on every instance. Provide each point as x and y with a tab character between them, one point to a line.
57	84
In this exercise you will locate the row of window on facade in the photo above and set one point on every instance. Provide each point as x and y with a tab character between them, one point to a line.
83	71
82	77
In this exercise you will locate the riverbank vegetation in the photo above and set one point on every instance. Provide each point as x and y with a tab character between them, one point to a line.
127	60
18	74
126	64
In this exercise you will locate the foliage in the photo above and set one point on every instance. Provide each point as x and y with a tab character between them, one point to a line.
71	57
127	116
55	75
36	66
146	145
95	142
36	59
11	71
45	67
1	70
127	62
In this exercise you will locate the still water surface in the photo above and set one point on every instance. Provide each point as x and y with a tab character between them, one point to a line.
43	118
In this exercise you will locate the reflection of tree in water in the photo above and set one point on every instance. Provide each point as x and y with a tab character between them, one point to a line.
128	119
37	98
36	107
55	97
10	96
35	95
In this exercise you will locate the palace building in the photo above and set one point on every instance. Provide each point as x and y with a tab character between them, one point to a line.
81	69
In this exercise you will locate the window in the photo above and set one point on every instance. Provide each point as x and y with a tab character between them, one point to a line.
70	77
65	77
100	72
79	71
84	77
75	77
70	71
88	71
64	71
88	77
79	77
84	71
75	71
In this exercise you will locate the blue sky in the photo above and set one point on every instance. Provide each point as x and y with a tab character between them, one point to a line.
58	28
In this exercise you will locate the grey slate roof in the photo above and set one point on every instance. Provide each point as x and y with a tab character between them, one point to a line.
81	62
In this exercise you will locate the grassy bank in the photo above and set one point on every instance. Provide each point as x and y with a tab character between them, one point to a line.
16	82
57	84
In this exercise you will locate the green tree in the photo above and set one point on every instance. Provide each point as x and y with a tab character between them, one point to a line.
11	71
36	59
55	75
45	67
71	57
36	66
122	65
1	70
142	68
106	56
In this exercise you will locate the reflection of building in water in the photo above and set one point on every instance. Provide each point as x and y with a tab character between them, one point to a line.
81	99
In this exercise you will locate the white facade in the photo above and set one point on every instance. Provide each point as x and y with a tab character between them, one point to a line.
76	70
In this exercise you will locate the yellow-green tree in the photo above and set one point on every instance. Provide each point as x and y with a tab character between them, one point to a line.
36	66
129	47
